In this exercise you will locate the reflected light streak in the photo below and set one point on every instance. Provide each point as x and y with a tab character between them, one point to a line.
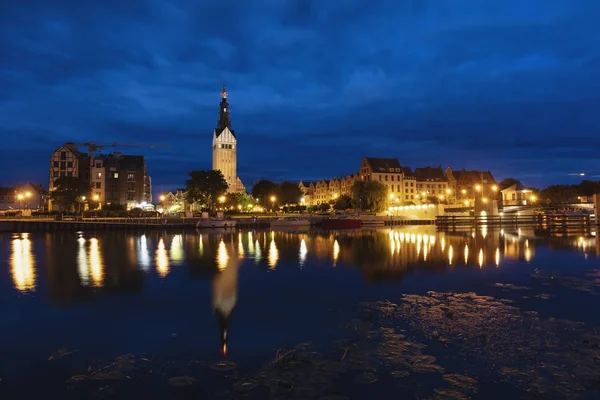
258	252
177	248
240	246
527	254
425	248
450	254
222	256
336	252
23	263
273	255
143	253
480	258
82	263
96	267
303	252
484	231
162	259
432	239
466	253
418	249
392	246
443	244
497	257
201	245
250	244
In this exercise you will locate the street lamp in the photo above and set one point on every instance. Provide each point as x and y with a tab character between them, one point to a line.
20	197
273	203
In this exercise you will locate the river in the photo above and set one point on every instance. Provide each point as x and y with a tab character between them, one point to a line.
366	314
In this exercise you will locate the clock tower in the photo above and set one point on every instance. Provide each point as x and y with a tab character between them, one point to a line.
224	148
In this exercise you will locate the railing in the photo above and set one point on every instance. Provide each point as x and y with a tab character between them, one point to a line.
542	221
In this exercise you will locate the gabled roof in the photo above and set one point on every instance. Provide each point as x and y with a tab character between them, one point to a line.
516	187
383	164
430	174
406	171
473	176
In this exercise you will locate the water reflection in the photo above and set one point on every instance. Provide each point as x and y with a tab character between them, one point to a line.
224	292
162	259
336	252
303	252
143	253
273	253
23	264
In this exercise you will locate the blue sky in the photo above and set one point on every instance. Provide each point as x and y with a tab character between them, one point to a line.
314	85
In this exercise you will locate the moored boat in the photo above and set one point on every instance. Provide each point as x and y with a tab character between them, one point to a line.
290	221
216	223
341	223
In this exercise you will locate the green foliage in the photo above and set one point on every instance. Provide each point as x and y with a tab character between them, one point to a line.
369	195
555	195
69	191
343	202
506	183
236	200
263	190
289	193
323	207
205	186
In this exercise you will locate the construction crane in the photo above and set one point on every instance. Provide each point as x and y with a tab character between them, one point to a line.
93	147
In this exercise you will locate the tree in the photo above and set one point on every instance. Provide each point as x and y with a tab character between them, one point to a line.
369	195
69	191
263	190
559	194
506	183
343	202
588	188
240	201
205	186
289	193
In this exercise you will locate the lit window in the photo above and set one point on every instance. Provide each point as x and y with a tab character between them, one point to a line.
116	175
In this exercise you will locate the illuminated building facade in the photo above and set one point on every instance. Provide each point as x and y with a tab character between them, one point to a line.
400	181
432	182
65	161
224	148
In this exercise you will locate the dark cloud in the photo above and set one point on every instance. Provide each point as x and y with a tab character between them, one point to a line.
314	85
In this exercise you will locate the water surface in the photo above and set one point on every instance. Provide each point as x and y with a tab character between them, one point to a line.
227	314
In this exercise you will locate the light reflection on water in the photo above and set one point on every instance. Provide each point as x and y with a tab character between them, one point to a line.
22	264
376	250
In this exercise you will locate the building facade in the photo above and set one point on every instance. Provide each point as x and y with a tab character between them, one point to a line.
470	185
67	160
224	148
432	183
327	190
400	181
517	195
121	179
24	197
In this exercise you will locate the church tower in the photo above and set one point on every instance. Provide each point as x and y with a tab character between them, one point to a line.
225	148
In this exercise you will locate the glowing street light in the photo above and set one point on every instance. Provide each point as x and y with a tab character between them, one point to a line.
162	197
495	188
96	197
464	191
478	187
533	198
222	199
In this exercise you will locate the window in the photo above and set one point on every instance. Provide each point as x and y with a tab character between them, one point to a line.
55	174
63	165
98	165
131	186
131	177
116	175
69	173
63	173
130	196
55	164
70	164
98	185
98	175
63	155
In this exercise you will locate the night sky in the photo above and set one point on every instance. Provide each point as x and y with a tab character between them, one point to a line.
512	86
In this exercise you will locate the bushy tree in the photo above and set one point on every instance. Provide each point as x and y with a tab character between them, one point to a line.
369	195
205	186
263	190
69	191
289	193
240	201
343	202
559	194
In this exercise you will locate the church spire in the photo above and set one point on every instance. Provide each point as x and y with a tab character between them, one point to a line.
224	121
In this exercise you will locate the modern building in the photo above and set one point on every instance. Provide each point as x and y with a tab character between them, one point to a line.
432	182
121	179
224	148
399	180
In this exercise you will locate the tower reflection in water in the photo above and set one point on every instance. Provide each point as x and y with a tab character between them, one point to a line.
224	289
22	263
